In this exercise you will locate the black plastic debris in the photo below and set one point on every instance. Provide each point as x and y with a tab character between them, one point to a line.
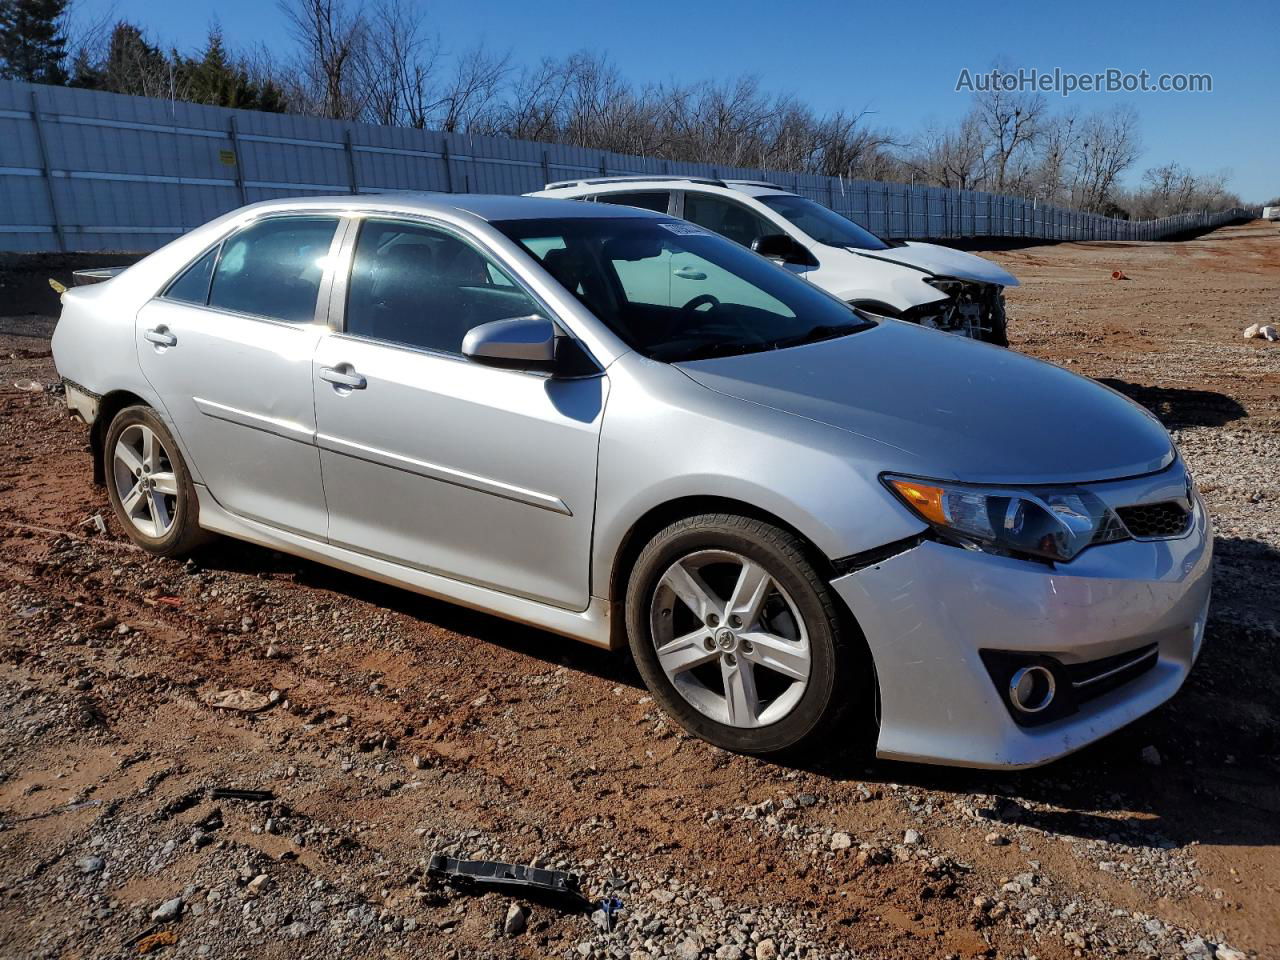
229	793
554	887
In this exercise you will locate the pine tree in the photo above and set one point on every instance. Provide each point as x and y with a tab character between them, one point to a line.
133	65
32	44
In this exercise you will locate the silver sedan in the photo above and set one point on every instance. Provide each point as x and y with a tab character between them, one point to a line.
804	523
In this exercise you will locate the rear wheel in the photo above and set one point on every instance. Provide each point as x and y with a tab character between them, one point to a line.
739	637
149	485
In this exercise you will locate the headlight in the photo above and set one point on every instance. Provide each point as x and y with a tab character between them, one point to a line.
948	285
1055	523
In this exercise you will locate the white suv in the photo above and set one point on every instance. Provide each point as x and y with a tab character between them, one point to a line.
924	283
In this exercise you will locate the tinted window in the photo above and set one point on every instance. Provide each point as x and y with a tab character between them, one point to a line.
273	268
676	292
193	285
655	200
823	223
726	218
423	287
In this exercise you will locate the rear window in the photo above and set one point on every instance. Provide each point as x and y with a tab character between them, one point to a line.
655	200
193	285
273	268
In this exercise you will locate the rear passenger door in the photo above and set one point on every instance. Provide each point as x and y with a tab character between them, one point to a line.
476	473
227	347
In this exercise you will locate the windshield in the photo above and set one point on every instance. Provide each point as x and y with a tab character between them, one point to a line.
822	223
674	291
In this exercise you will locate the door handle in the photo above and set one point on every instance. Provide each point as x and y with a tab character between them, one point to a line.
160	336
690	273
343	378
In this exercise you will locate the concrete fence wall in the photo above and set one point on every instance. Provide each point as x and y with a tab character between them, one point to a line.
82	171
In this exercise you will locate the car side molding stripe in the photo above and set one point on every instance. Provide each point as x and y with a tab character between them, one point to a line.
433	471
256	421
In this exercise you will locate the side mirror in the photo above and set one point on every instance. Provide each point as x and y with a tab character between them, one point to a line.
523	343
779	246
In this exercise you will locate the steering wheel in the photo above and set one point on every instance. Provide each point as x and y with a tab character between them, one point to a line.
702	300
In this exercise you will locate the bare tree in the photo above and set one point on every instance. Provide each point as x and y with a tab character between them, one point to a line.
331	36
1010	122
1109	143
468	97
951	158
393	70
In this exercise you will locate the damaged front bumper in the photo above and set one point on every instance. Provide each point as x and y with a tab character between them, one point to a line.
1120	626
972	309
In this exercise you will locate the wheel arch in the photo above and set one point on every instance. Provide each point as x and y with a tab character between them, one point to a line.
663	515
110	404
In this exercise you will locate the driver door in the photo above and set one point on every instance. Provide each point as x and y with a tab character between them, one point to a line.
430	460
733	220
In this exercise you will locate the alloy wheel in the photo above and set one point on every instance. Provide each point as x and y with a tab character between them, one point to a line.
145	480
730	639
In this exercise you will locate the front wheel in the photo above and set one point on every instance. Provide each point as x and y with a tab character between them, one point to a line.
149	485
740	639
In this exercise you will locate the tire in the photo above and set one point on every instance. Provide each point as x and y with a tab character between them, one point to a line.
759	656
158	510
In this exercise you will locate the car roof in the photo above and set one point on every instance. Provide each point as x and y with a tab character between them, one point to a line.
487	207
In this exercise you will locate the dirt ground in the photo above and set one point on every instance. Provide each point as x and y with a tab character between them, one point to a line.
404	726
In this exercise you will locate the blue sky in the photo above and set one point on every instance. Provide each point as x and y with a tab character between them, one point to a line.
899	60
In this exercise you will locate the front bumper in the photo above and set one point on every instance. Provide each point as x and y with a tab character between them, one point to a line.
927	613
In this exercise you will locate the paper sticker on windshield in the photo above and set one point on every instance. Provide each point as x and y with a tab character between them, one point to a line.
684	229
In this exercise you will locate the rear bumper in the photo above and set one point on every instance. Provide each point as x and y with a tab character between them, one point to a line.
81	401
927	613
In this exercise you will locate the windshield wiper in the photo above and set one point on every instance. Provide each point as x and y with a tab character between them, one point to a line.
721	349
823	331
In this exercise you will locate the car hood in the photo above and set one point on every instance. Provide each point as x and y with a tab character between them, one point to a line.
945	262
948	407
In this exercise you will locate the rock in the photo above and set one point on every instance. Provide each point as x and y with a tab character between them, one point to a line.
1197	949
1151	756
169	910
517	920
420	762
983	903
258	885
806	799
90	864
911	838
1073	939
1251	331
296	930
239	700
688	950
1226	953
730	952
766	950
841	841
996	839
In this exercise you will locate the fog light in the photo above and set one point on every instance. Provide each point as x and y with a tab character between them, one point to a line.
1031	688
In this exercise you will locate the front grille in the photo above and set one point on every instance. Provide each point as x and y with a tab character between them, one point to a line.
1151	521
